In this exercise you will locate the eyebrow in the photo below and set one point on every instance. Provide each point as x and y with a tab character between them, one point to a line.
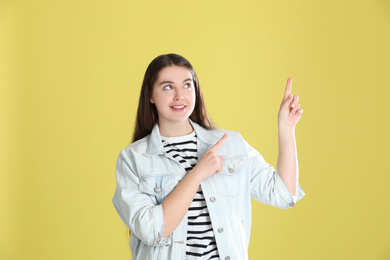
171	82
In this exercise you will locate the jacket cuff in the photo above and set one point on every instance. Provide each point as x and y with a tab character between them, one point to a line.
158	219
285	194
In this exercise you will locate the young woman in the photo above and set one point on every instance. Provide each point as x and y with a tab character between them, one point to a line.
184	188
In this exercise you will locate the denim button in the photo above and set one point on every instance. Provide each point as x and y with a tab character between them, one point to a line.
212	199
157	189
220	230
227	258
292	204
231	170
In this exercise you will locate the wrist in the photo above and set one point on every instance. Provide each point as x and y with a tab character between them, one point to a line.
195	175
286	129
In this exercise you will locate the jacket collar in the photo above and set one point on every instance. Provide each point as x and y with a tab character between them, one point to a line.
204	135
156	147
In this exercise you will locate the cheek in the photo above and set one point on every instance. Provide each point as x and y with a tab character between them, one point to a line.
191	96
193	100
159	98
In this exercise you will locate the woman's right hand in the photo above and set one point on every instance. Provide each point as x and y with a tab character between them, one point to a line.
176	204
211	163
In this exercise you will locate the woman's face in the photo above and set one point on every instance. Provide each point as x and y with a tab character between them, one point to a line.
173	95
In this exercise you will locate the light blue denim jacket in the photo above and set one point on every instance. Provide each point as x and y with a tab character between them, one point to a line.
145	175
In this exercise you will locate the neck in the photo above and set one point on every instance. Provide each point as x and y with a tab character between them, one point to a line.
175	129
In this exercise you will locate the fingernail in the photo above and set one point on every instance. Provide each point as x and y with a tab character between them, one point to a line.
292	105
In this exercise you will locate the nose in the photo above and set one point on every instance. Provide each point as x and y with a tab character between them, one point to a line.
178	95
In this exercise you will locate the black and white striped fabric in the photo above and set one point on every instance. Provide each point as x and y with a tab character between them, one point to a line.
200	235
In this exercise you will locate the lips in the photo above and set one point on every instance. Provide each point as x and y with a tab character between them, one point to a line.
179	107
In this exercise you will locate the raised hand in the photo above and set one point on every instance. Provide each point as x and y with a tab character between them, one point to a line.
290	110
211	163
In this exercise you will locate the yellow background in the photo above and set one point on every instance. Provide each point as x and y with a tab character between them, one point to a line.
70	76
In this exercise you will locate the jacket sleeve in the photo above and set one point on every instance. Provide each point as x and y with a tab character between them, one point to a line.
138	211
266	185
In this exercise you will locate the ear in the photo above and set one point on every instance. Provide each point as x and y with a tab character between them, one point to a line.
151	100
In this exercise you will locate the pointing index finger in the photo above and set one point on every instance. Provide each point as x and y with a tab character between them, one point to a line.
287	92
220	142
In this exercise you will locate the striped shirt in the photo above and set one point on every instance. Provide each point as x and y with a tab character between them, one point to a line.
200	235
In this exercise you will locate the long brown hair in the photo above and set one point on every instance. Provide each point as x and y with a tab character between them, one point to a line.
147	113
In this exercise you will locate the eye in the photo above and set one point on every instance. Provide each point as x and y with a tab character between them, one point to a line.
167	87
187	85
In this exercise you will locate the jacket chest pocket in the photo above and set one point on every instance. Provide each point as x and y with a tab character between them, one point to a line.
158	186
230	182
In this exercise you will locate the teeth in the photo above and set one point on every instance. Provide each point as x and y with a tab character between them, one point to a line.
178	107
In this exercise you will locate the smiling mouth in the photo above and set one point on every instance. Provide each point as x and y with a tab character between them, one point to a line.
179	108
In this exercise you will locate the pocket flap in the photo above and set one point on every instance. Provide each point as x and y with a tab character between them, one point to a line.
232	165
155	185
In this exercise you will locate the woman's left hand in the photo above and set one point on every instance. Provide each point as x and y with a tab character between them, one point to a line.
290	110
